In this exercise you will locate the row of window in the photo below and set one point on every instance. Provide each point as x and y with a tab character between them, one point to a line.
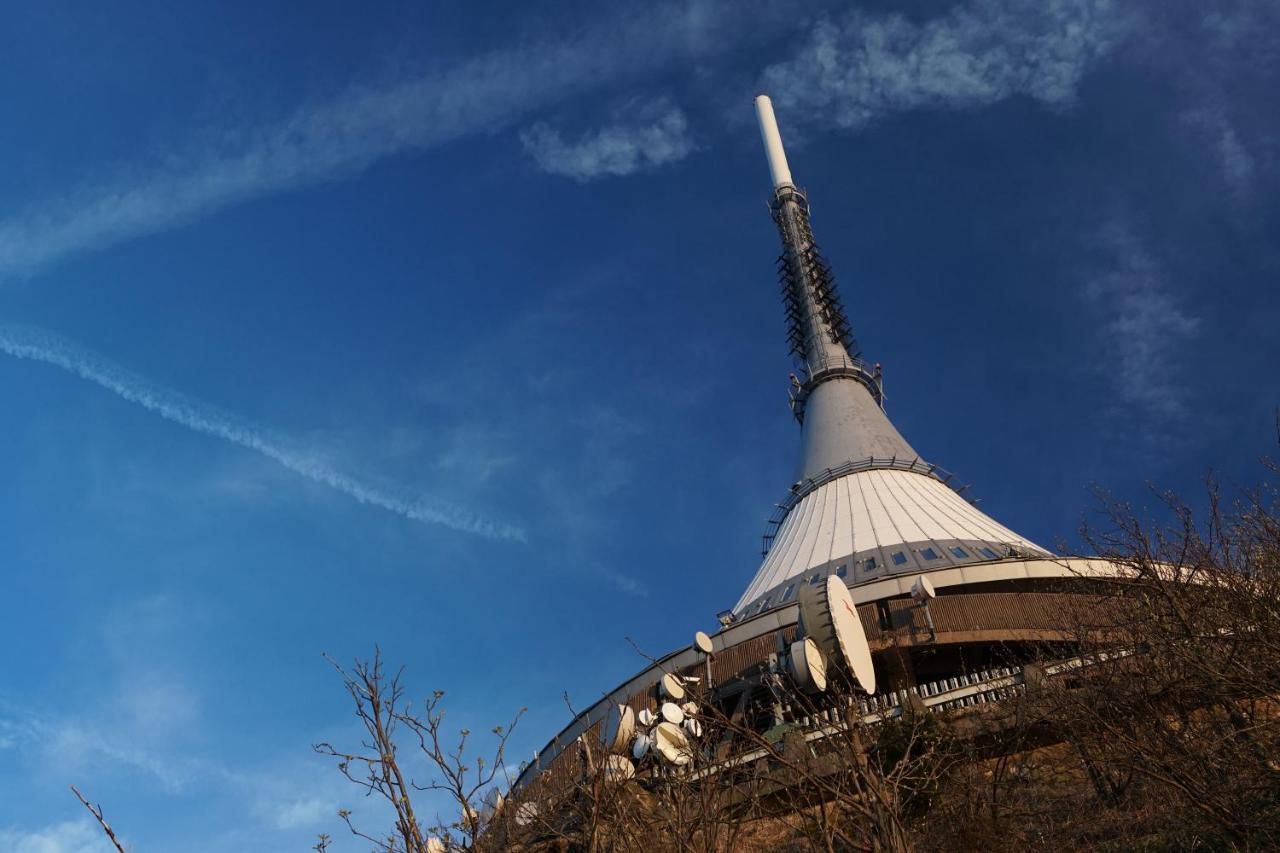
868	565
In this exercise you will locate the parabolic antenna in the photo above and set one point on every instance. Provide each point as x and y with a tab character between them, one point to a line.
526	813
671	687
692	727
641	747
672	713
808	667
617	728
829	617
646	718
670	742
702	642
618	768
922	589
435	845
689	708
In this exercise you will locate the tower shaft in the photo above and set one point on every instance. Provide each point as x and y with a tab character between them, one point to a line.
837	397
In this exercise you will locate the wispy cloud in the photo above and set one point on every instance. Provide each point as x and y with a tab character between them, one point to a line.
341	136
70	836
1143	325
861	67
642	136
46	347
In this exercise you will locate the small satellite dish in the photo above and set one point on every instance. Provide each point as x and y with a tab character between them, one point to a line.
692	727
493	801
670	742
922	589
619	768
671	687
831	620
689	708
702	642
808	667
526	814
617	728
672	713
641	747
435	845
646	718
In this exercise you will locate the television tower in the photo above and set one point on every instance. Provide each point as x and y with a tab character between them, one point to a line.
864	504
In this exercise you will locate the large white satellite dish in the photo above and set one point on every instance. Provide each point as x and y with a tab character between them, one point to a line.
922	589
829	617
702	642
671	687
618	727
646	718
808	667
672	713
670	742
618	768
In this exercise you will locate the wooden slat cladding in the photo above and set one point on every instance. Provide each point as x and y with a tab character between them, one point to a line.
994	611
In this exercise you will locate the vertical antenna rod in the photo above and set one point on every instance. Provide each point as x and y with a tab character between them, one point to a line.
772	142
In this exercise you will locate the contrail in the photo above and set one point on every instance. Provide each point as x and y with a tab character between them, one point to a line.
40	345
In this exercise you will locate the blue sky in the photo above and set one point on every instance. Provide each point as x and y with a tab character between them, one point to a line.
453	328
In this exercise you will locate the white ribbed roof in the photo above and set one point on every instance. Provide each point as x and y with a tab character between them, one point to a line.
877	514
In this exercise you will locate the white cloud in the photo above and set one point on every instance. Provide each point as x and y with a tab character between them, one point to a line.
43	346
72	836
1143	326
857	69
642	137
307	811
341	136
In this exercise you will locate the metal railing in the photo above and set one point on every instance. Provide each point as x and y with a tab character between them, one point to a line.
817	371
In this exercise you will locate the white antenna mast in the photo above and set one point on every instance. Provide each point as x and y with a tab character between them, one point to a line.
778	168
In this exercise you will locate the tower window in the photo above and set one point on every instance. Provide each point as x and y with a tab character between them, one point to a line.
988	553
871	564
899	558
959	552
813	581
929	554
842	570
786	596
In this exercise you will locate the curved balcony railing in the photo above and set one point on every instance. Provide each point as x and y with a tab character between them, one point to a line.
817	371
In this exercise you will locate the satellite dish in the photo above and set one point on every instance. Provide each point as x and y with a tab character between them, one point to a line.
617	728
692	727
618	768
646	718
672	713
831	620
922	589
689	708
671	687
808	667
493	801
641	747
435	845
526	814
670	742
702	642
